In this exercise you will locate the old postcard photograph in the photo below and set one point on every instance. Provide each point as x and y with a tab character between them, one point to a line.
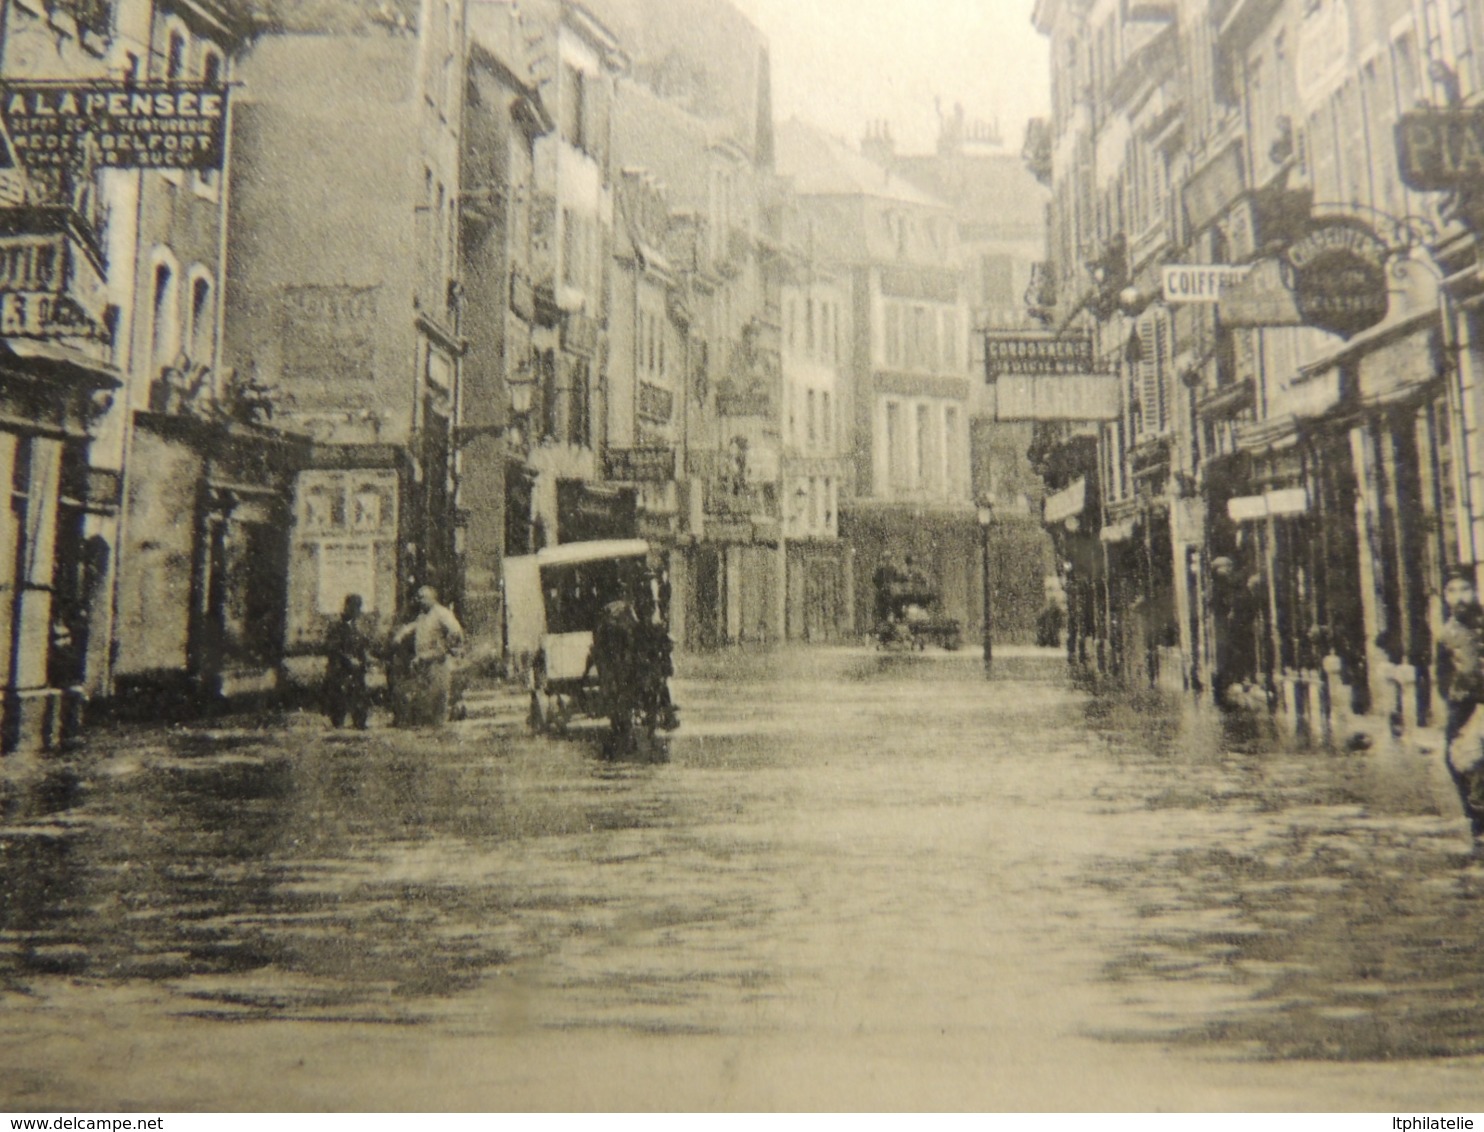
741	556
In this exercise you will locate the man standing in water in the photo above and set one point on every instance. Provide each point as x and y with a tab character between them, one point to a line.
1460	673
436	635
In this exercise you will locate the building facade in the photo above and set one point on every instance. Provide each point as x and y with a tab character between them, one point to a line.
907	404
346	159
129	570
1232	225
503	116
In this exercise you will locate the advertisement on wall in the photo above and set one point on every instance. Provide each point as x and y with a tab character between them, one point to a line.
144	125
345	543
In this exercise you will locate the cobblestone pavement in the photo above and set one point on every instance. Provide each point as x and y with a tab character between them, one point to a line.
851	880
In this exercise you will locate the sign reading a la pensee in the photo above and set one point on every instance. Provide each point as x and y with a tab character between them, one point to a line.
146	125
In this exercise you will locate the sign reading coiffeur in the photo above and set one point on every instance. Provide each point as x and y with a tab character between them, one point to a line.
139	126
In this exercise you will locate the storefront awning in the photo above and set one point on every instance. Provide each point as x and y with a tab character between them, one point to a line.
1062	397
1268	435
1121	531
1068	502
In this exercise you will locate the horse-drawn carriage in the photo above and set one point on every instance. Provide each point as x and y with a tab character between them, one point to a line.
908	615
589	617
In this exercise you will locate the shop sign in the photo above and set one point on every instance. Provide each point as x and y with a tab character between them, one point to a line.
1036	355
648	464
1261	299
33	263
587	512
328	334
1270	505
144	125
1288	501
1441	149
1247	508
41	314
1198	283
1338	277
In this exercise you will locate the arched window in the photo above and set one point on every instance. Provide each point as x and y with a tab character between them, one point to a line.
164	337
175	53
201	329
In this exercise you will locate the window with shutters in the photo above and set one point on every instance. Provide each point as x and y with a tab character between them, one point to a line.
1152	373
893	334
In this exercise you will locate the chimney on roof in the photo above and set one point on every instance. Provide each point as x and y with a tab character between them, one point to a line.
877	144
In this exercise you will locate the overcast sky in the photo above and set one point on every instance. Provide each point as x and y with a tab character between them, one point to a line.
842	63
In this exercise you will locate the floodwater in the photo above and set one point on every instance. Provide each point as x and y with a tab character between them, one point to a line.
852	880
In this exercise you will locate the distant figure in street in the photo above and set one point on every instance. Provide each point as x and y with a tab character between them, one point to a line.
347	657
655	654
885	576
1460	676
615	659
435	636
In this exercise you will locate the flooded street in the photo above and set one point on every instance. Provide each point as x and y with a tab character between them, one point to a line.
859	881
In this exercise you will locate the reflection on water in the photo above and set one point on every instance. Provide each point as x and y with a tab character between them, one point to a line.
1311	903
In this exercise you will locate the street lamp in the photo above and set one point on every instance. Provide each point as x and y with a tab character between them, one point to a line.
522	386
986	517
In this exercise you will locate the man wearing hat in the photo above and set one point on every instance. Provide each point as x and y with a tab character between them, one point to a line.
1460	674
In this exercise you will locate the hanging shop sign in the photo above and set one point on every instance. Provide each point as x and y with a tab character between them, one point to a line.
1438	150
1337	273
146	125
1283	503
1199	282
1261	299
1036	355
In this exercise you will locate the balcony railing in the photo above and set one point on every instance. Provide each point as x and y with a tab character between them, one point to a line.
50	283
60	199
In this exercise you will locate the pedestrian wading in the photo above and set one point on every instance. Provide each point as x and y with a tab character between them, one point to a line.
1461	677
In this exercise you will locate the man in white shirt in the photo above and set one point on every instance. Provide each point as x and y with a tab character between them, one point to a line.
436	636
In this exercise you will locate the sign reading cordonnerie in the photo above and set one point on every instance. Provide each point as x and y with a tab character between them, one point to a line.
1337	273
137	126
1441	149
1028	354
